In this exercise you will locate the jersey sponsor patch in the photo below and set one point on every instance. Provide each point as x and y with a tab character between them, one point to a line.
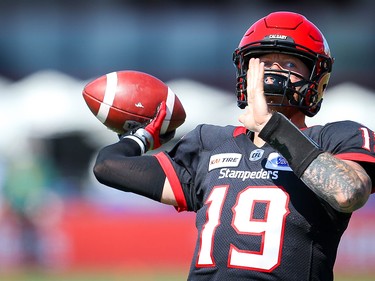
276	162
224	160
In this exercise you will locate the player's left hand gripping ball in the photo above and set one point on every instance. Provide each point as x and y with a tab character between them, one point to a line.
125	100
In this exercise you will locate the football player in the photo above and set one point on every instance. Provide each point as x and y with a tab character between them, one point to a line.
272	197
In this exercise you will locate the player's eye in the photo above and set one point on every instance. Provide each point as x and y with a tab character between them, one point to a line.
267	64
289	65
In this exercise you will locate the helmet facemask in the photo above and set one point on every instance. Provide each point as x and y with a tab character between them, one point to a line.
303	94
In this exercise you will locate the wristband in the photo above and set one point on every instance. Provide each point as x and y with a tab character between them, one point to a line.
290	142
140	142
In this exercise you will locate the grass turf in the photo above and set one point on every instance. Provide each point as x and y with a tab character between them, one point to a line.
120	275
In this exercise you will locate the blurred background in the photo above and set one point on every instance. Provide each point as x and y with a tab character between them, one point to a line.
54	217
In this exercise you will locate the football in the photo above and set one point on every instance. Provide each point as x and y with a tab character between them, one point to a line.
124	100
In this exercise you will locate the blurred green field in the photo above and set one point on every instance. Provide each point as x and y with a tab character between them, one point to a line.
120	275
92	275
354	278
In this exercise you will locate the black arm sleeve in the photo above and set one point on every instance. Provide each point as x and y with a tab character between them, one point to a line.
286	138
121	166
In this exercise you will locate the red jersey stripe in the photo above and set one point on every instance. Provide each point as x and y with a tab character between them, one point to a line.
173	180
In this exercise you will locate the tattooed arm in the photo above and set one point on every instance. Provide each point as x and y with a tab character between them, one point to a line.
344	184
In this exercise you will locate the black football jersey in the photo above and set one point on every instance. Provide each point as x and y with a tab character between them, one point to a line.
256	220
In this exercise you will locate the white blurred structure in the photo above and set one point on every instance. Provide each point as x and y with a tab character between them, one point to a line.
49	103
347	101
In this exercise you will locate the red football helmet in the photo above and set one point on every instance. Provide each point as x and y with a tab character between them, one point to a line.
292	34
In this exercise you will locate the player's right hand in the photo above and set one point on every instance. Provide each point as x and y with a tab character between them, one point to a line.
150	134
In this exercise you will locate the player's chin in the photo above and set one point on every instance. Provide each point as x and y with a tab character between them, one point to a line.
288	111
275	101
